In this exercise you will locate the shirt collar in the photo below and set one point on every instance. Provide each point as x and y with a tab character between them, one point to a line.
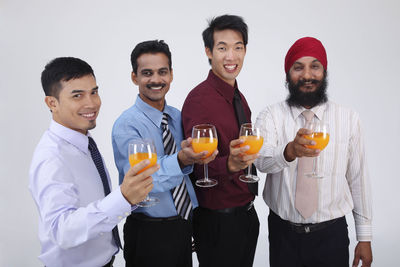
224	89
73	137
318	111
154	115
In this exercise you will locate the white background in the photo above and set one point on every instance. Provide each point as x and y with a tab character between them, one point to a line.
361	38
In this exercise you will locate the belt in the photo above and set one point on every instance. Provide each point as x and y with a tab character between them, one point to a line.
239	209
110	264
305	228
143	217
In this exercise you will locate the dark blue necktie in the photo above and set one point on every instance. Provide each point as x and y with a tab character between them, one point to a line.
96	157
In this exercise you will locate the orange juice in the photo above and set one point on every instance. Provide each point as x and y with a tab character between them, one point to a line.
321	140
138	157
205	144
254	142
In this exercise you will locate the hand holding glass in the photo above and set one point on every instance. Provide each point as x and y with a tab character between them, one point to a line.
252	138
205	139
139	150
320	136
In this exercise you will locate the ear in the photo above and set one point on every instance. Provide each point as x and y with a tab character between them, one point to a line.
134	78
172	75
208	53
51	102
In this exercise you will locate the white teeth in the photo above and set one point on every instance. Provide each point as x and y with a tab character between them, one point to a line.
156	87
89	115
230	67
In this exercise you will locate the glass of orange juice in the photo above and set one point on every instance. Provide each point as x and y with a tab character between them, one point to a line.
321	137
252	138
139	150
205	139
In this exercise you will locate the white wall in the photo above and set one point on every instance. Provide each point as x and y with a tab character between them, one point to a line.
362	42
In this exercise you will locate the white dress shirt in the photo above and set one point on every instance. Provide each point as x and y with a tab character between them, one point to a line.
76	220
345	186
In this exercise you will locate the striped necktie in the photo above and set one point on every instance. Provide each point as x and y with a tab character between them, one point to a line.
180	194
96	157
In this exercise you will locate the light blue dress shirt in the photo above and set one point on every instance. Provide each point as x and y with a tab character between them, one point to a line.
76	220
143	121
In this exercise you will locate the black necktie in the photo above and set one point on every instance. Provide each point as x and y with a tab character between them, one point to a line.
180	194
96	157
241	118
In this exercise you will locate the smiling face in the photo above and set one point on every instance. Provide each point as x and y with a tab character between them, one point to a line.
227	55
153	78
77	105
308	72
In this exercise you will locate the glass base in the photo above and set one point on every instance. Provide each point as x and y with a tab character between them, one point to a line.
206	183
148	202
249	178
316	175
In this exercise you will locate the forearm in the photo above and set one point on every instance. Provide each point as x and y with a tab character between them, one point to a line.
272	159
69	226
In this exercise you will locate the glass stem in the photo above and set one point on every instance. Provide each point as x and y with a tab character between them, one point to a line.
206	171
315	166
249	171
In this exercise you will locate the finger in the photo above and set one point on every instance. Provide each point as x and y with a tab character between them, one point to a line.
185	143
236	142
150	171
356	260
304	131
137	167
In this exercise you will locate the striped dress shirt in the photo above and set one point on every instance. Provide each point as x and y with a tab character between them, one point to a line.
345	186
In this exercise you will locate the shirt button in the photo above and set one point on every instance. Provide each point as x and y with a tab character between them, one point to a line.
120	217
127	213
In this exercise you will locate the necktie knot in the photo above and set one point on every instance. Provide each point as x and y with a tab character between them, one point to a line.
308	115
92	144
164	121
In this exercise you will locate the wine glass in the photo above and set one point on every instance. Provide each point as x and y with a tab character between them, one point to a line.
321	137
205	139
252	138
139	150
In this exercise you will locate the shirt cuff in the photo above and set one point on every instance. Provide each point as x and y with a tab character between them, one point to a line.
171	164
116	206
364	232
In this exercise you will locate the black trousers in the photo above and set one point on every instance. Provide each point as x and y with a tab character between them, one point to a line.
225	239
157	243
326	247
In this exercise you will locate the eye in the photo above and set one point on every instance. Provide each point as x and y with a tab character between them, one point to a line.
239	48
76	95
95	92
297	68
163	72
147	73
315	67
222	49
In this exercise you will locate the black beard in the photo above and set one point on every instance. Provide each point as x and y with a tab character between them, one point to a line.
298	98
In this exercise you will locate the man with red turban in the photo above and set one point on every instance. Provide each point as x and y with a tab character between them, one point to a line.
307	224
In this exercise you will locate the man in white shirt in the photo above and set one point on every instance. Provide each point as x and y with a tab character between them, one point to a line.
69	180
307	225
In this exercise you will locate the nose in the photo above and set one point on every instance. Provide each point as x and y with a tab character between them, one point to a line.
155	78
92	101
307	73
229	54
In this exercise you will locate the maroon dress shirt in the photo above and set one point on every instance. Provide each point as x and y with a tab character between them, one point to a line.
212	102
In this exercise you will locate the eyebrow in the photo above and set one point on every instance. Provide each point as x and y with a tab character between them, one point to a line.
223	43
80	90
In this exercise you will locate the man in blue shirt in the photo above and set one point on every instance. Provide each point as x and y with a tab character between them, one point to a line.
69	180
159	235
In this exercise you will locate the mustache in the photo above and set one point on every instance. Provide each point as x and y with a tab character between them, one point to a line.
155	85
303	82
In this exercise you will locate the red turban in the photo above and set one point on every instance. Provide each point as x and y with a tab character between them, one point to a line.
306	47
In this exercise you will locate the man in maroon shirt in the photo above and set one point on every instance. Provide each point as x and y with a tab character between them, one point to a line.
225	225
